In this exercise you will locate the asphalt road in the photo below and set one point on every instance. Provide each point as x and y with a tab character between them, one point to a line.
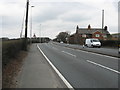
83	69
102	50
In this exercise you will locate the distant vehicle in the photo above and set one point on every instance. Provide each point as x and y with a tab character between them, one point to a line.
92	42
61	42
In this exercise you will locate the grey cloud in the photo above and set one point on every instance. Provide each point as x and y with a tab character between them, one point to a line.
56	16
76	18
8	22
56	10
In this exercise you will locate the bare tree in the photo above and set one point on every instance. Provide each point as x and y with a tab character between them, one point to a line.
62	36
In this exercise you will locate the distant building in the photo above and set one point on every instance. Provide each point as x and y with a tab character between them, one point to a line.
4	38
89	32
34	36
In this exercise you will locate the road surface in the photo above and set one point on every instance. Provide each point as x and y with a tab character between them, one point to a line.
102	50
83	69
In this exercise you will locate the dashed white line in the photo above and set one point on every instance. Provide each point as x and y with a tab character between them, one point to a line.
57	71
103	66
100	55
69	53
92	53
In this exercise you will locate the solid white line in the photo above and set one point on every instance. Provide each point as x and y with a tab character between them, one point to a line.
57	71
69	53
103	66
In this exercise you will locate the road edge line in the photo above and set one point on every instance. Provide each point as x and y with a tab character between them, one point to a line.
56	70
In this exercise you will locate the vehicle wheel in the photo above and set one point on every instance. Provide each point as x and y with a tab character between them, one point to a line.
92	46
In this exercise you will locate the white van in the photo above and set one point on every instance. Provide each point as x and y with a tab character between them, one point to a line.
92	42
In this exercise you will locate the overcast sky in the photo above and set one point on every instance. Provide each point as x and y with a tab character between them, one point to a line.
49	17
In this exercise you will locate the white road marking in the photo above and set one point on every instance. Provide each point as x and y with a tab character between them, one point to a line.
69	53
101	55
57	71
103	66
92	53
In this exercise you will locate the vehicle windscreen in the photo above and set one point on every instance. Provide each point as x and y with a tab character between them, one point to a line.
95	40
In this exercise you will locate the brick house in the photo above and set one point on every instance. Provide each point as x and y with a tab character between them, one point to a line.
83	33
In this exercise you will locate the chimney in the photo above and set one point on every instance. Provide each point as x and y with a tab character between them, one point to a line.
105	28
77	27
89	27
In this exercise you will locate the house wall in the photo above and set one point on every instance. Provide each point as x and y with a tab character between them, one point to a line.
71	40
80	35
94	35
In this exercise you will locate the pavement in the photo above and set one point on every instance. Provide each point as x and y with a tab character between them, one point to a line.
37	73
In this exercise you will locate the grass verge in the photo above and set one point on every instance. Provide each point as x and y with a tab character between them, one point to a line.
12	69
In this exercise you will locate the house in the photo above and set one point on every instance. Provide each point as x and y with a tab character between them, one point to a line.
89	32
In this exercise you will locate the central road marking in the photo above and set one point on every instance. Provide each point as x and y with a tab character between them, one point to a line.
93	53
103	66
89	52
69	53
56	70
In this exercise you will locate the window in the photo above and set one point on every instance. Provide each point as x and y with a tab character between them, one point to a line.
97	35
83	35
95	40
104	36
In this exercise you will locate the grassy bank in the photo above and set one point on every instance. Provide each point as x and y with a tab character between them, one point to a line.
12	58
11	71
10	48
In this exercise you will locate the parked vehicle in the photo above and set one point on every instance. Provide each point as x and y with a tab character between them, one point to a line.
61	42
92	42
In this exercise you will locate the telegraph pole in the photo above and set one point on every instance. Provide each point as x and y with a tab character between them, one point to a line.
31	26
26	24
